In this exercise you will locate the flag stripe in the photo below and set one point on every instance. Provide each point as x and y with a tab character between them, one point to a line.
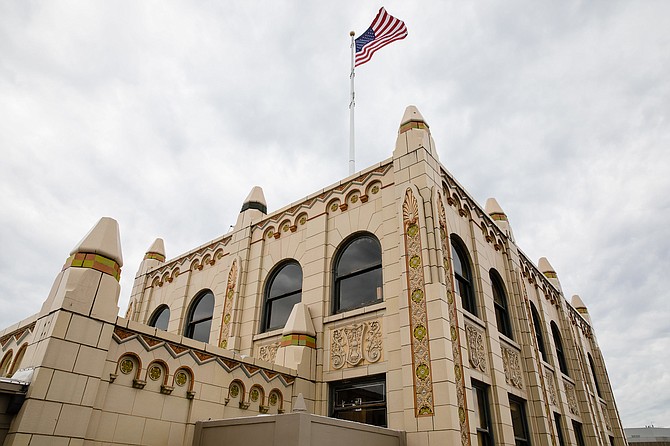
384	29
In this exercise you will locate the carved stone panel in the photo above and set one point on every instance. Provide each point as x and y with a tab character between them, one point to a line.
228	306
356	344
268	352
476	351
551	387
512	367
572	398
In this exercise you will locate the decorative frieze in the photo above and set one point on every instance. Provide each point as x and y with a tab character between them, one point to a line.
418	317
476	351
268	352
356	344
228	306
453	326
512	367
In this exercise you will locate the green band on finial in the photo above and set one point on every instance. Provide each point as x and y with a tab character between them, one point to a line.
413	125
154	256
298	339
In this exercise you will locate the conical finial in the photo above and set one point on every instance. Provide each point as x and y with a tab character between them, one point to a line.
580	306
549	272
255	200
103	239
299	322
494	210
300	405
412	119
156	251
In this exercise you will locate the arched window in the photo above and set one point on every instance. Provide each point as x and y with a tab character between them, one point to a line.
595	377
463	275
283	290
199	320
160	318
560	354
500	303
538	331
6	362
17	360
357	274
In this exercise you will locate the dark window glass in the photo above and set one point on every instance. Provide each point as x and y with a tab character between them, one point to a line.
519	424
611	440
500	302
559	428
482	414
463	275
538	331
593	371
579	434
362	400
560	354
357	276
283	291
199	320
160	318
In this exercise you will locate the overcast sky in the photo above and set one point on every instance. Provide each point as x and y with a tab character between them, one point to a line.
164	115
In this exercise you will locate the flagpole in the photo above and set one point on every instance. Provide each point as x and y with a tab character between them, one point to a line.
352	105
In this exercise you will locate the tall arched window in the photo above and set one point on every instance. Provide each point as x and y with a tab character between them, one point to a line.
593	371
558	344
6	362
463	275
500	303
283	290
160	317
538	331
199	319
357	274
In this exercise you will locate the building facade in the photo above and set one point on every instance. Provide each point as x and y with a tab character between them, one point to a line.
390	298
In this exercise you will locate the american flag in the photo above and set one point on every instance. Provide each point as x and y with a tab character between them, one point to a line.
384	29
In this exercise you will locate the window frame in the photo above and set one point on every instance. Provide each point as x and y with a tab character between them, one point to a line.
458	248
593	372
269	301
480	393
521	404
157	314
558	348
338	279
559	429
539	334
503	320
579	433
361	382
190	324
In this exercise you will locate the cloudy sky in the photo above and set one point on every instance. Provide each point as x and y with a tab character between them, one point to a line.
164	114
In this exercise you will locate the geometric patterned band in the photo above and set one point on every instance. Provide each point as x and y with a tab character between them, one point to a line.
298	339
498	216
94	261
154	256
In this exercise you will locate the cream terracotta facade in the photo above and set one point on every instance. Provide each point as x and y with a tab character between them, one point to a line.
101	379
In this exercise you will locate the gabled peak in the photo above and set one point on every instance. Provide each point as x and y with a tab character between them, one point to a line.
255	200
103	239
299	321
494	210
412	119
546	268
156	251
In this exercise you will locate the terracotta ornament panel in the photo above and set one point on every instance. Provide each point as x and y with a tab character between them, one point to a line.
418	317
476	351
453	327
356	344
228	306
512	368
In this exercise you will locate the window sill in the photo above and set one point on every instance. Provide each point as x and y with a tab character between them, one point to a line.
510	342
268	334
474	319
355	312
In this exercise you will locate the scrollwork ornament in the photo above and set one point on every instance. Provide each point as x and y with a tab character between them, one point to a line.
268	352
476	352
512	368
551	388
373	341
572	399
337	352
354	335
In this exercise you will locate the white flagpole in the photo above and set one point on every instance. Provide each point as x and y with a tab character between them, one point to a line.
352	105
